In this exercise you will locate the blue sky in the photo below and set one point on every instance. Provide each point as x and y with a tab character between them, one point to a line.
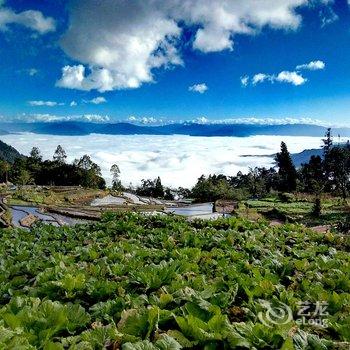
176	60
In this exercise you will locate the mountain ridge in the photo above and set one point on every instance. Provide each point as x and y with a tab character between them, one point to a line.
8	153
76	128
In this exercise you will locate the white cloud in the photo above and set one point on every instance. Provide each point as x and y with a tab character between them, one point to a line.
291	78
260	78
73	78
201	120
46	117
31	19
120	41
132	118
73	104
145	120
262	121
118	44
92	118
149	120
327	16
160	121
244	80
200	88
97	100
220	20
313	65
179	160
32	72
45	103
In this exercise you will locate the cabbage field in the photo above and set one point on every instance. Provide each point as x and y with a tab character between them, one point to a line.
164	283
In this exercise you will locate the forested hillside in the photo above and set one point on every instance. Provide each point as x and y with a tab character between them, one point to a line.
8	153
34	170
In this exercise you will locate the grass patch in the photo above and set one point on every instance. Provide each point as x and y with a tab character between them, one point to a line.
333	209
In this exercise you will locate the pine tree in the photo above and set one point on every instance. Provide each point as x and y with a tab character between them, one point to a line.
327	147
327	143
287	172
158	189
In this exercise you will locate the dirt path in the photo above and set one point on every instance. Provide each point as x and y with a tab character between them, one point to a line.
322	228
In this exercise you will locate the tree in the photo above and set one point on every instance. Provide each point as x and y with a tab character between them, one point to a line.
183	192
151	188
213	188
286	170
317	207
327	147
116	183
339	170
256	182
4	169
90	172
312	176
168	194
35	155
33	163
24	178
313	181
327	143
158	188
86	163
146	188
60	155
83	172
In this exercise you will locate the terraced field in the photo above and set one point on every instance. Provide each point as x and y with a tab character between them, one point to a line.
139	282
300	210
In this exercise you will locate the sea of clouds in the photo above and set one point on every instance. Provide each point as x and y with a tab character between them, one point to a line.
179	160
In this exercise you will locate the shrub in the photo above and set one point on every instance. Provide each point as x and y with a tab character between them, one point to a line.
286	197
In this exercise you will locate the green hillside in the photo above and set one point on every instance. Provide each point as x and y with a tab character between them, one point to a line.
8	153
144	282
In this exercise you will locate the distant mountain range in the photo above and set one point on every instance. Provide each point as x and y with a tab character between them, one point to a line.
301	157
304	156
191	129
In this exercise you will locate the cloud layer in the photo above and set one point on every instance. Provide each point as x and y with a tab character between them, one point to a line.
48	118
118	44
42	117
178	160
